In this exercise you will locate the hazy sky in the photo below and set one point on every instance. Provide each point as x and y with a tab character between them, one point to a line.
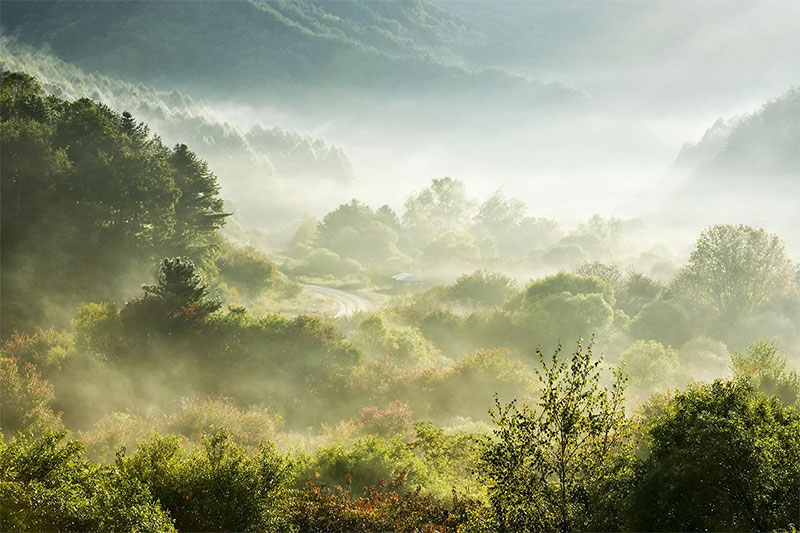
660	72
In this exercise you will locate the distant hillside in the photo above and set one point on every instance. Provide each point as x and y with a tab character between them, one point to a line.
758	145
251	164
296	52
744	169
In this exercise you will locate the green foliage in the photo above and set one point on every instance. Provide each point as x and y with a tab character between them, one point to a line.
768	370
98	328
25	403
562	305
735	271
565	282
609	273
355	231
665	321
199	210
482	287
190	420
722	457
566	255
47	349
542	465
216	488
305	236
453	455
432	393
179	299
452	246
368	460
384	507
323	262
651	366
246	269
403	345
635	292
505	221
45	485
88	196
441	207
21	97
394	421
704	359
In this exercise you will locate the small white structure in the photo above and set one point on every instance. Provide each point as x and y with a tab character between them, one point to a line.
407	279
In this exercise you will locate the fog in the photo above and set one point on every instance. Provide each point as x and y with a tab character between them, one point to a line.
350	229
649	78
659	74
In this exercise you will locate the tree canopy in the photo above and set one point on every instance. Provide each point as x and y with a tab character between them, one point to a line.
89	197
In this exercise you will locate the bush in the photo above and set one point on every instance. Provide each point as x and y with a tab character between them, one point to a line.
404	345
652	367
246	269
464	389
25	399
722	457
705	359
542	465
563	305
370	459
768	371
46	486
394	421
663	321
565	282
637	291
385	507
48	349
482	287
323	262
248	427
216	488
564	255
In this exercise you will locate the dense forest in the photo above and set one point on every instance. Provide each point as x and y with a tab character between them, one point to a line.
165	368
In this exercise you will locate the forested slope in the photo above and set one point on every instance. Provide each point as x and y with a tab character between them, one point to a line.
251	161
89	198
758	146
301	52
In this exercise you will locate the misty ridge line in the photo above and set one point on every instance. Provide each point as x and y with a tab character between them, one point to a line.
256	157
494	304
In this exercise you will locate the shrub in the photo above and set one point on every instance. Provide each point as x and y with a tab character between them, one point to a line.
564	255
542	465
651	366
663	321
482	287
722	457
216	488
368	460
564	305
394	421
464	389
323	262
384	507
46	486
25	399
705	359
98	328
768	371
248	427
405	345
46	348
246	269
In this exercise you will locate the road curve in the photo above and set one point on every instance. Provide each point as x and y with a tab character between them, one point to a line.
348	302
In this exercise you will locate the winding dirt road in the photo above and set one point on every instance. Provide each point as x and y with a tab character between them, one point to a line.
348	302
